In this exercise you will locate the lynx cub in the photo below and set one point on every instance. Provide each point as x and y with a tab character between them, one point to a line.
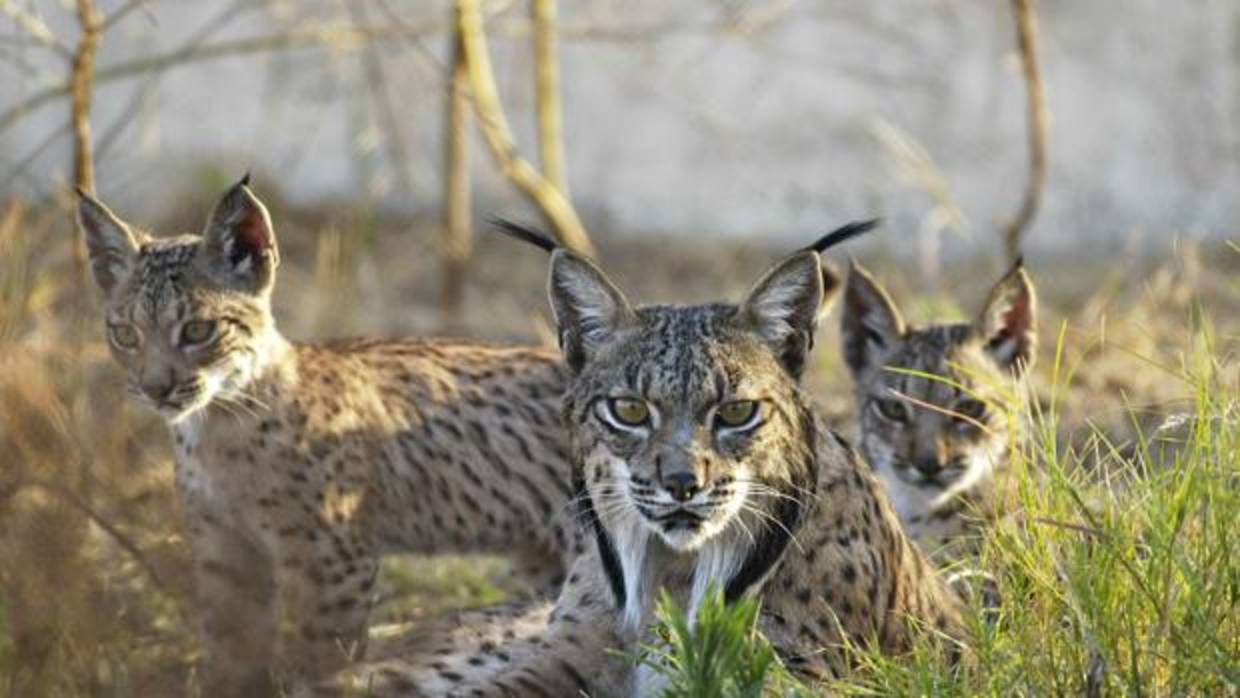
698	461
938	444
299	465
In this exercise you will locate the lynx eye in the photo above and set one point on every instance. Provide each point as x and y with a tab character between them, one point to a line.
736	414
969	413
629	412
892	409
197	331
125	336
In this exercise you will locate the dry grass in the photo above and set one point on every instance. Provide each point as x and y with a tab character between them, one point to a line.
93	590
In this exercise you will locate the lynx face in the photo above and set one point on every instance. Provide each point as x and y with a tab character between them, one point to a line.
929	399
691	438
188	317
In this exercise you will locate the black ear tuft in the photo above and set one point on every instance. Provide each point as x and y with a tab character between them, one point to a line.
525	233
245	179
842	234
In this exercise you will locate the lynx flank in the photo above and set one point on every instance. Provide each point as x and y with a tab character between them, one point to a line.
699	461
299	465
939	444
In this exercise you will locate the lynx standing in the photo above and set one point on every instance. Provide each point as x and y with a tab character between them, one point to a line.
299	465
928	402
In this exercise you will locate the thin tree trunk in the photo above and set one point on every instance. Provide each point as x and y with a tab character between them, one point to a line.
457	242
1026	38
81	91
549	198
547	86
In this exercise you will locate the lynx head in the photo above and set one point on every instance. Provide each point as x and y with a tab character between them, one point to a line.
940	434
189	317
691	439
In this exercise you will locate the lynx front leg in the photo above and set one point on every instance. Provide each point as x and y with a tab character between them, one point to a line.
325	579
234	590
518	651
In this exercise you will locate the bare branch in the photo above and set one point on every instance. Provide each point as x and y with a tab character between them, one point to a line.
120	13
34	26
124	541
21	167
376	85
1026	36
145	91
499	136
337	37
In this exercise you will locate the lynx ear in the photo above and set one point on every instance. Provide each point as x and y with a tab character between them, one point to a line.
832	284
239	241
112	246
1008	324
783	308
871	323
588	308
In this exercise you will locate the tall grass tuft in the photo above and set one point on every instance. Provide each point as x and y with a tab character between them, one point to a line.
719	654
1120	573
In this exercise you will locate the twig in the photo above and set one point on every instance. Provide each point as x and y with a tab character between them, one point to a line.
15	57
1026	37
34	27
143	92
499	136
21	168
376	84
1079	528
124	541
122	12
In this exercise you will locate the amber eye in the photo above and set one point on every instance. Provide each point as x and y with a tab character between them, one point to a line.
969	413
197	331
125	336
736	414
892	409
629	412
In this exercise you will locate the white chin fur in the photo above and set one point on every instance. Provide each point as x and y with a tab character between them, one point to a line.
684	540
982	464
719	547
631	538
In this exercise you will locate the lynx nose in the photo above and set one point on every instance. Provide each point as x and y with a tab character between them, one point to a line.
682	485
929	467
158	391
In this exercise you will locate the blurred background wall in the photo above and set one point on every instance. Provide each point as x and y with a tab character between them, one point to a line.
703	117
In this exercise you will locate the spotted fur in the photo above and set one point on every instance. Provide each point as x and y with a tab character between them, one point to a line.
774	506
934	403
299	465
